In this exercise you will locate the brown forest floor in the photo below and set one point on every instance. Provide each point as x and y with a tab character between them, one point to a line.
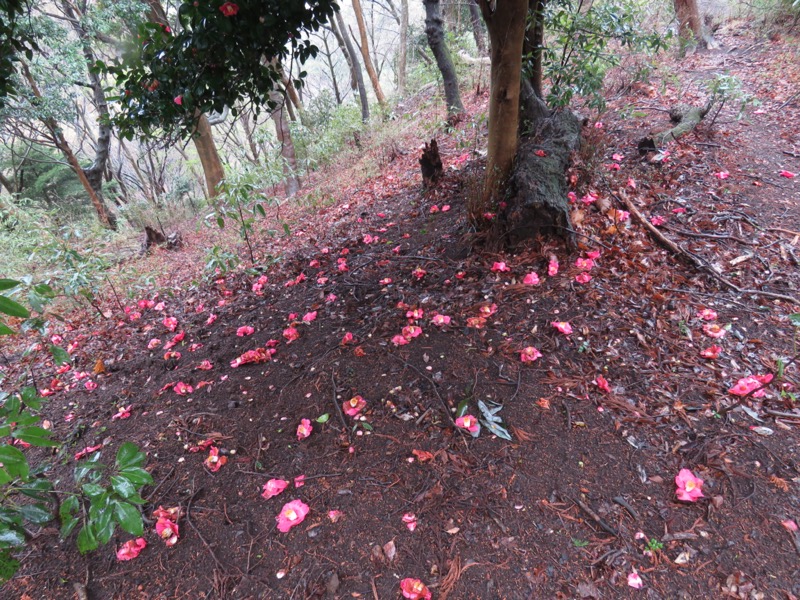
496	519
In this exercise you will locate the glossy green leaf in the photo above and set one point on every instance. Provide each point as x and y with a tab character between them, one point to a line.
122	486
137	476
12	308
15	465
129	455
60	356
11	537
128	517
8	566
36	513
7	284
87	540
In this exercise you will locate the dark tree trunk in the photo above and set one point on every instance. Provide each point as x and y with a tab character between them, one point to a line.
430	164
690	25
340	31
534	43
537	185
434	29
292	181
477	29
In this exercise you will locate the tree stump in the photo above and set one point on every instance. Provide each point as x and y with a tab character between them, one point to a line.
537	202
430	164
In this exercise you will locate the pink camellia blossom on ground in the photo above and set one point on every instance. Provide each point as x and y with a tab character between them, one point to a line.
440	320
257	356
399	340
715	331
476	322
354	406
552	267
410	519
205	366
589	199
229	9
621	215
123	413
722	175
347	339
707	314
214	461
712	352
531	279
86	451
529	354
584	264
90	385
293	513
414	589
182	389
572	197
789	525
593	254
468	422
416	313
335	515
434	209
602	383
500	267
788	174
131	549
419	272
748	384
635	581
487	310
583	277
658	220
563	326
304	429
299	481
273	487
170	323
168	531
291	334
211	318
411	331
679	211
178	100
244	330
688	487
385	281
309	316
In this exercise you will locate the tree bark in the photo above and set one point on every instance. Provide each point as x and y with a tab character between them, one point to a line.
686	118
434	30
506	27
294	98
340	31
373	76
329	61
690	24
402	51
292	180
534	44
477	30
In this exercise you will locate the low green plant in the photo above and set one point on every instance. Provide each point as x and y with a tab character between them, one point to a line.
727	89
220	261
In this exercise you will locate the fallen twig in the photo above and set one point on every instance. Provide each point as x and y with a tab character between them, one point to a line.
605	526
626	505
433	385
339	408
695	260
222	567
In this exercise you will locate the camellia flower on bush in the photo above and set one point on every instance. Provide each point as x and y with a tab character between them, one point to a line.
529	354
688	487
229	9
273	487
467	422
131	549
304	429
293	513
414	589
354	406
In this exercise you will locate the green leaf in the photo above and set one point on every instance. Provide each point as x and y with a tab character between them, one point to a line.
6	330
122	486
38	489
92	490
323	418
260	209
8	566
36	513
36	436
221	222
11	537
60	356
129	455
795	319
13	309
463	408
44	290
137	476
7	284
66	514
87	540
15	465
128	517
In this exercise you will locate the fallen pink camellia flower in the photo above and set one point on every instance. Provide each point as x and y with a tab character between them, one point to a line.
689	488
205	366
440	320
529	354
299	481
713	330
563	326
244	330
415	314
214	461
131	549
635	581
602	383
347	339
712	352
257	356
354	406
170	323
411	331
182	389
304	429
385	281
476	322
789	525
293	513
707	314
583	277
86	451
468	422
749	384
722	175
335	515
273	487
168	531
531	279
419	272
310	316
123	413
487	310
414	589
291	334
410	519
658	220
90	385
154	343
552	267
584	264
399	340
500	267
211	318
788	174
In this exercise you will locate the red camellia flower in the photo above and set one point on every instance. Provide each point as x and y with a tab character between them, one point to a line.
229	9
131	549
414	589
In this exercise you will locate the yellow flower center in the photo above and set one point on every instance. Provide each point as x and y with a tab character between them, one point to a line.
290	514
690	485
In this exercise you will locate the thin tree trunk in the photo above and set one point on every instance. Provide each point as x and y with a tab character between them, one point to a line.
7	184
534	43
402	51
347	48
292	181
690	24
248	133
294	99
477	30
373	76
506	27
435	31
329	60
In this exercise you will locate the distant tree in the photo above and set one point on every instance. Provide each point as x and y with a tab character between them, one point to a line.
434	30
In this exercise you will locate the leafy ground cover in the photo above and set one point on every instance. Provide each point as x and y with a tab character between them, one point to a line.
348	376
